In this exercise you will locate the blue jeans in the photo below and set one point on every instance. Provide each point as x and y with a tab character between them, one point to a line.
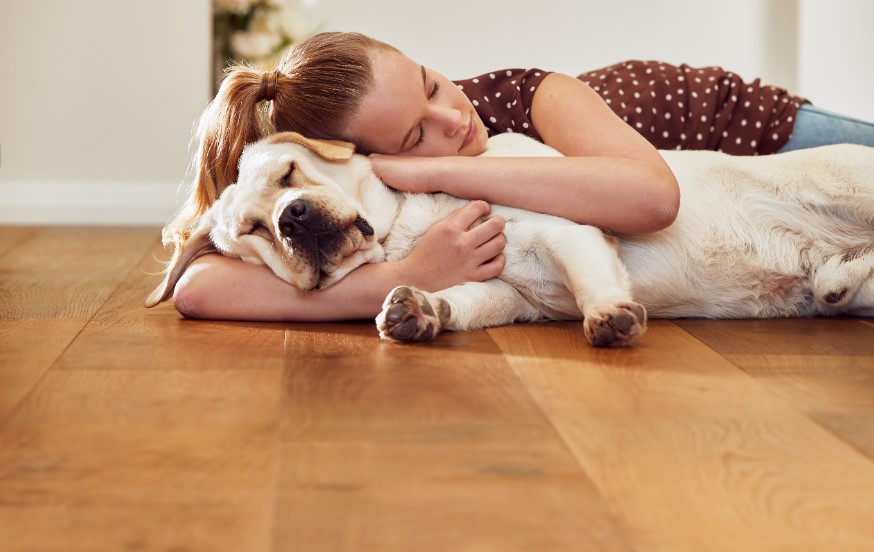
818	127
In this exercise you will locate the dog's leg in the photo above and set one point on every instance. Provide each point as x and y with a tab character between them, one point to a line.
600	284
840	278
409	314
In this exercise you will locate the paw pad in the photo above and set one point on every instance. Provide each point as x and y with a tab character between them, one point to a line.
615	325
407	316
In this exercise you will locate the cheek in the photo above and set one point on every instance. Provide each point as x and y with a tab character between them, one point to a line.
439	146
482	140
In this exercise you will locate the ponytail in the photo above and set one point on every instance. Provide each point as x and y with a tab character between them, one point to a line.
318	84
234	118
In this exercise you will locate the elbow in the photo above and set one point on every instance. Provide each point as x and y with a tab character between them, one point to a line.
664	205
190	297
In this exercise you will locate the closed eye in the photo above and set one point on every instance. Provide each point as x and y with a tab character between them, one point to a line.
285	181
259	229
421	135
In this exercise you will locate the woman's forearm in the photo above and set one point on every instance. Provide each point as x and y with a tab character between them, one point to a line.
216	287
617	194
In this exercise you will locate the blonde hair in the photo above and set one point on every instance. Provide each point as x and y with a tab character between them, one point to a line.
317	85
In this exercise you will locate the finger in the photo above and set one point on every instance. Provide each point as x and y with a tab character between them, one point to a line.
470	213
487	230
491	269
376	164
491	249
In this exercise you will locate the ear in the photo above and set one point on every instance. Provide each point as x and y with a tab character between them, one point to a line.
330	150
198	244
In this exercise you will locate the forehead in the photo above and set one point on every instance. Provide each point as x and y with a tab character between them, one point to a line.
393	104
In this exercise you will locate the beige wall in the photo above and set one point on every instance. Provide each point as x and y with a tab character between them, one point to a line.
464	37
836	55
97	100
98	97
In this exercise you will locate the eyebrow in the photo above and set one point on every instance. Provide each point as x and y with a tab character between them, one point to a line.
413	128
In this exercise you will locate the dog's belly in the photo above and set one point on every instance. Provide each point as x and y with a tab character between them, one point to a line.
544	289
528	269
730	282
736	250
531	270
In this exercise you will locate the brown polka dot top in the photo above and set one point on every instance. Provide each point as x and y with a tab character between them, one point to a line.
503	99
674	107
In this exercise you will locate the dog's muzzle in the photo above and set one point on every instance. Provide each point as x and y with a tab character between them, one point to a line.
301	217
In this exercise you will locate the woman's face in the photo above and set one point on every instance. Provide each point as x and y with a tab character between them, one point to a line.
412	110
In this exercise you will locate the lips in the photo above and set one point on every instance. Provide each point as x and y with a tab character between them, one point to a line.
470	134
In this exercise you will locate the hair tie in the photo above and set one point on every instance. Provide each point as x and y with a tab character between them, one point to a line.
268	86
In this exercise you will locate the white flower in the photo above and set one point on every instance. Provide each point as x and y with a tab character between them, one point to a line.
232	6
253	44
301	4
298	20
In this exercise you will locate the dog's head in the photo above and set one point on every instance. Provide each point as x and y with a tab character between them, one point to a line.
298	207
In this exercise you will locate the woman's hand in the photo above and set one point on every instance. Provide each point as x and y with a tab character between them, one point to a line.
458	250
404	173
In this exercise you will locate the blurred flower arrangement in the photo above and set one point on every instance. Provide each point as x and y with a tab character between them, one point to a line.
258	31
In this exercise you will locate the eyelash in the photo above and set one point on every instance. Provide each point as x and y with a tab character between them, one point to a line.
421	137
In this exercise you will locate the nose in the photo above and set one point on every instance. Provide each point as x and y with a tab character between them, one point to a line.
447	119
301	215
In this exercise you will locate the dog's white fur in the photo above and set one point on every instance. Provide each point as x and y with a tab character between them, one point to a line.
783	235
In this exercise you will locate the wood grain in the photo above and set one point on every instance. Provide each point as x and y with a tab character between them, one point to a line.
125	428
393	447
146	415
67	272
28	348
51	281
824	367
691	449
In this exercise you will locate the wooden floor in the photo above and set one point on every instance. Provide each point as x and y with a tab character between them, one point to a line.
123	428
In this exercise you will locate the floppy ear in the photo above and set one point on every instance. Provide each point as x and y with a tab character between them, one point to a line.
330	150
198	244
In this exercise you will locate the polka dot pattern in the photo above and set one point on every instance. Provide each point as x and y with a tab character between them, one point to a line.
674	107
503	99
683	107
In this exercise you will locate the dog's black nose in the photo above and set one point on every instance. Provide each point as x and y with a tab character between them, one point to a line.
298	208
296	216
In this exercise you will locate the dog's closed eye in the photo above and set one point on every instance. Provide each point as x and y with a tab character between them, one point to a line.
285	181
260	229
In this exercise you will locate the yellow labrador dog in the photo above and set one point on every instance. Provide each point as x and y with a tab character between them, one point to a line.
782	235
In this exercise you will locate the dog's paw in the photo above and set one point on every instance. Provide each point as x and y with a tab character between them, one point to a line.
836	282
407	316
615	325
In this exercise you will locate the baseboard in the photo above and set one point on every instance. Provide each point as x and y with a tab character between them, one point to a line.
77	203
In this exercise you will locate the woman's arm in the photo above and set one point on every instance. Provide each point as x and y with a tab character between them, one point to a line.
611	176
452	252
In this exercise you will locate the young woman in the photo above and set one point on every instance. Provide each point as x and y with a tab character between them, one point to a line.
424	131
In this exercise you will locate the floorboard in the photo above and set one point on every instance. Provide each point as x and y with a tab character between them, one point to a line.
824	368
390	447
125	428
691	449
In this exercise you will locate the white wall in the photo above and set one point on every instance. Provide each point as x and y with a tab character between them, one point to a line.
836	55
461	38
97	97
97	100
